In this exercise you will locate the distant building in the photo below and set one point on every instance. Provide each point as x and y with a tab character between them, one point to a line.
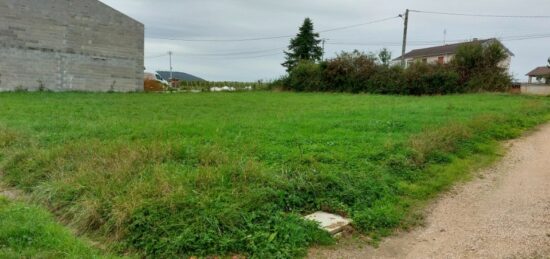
179	77
60	45
540	74
446	53
542	84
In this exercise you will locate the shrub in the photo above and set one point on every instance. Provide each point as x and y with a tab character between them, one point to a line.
279	84
349	72
467	60
479	67
476	67
153	86
415	78
489	81
306	76
388	80
423	78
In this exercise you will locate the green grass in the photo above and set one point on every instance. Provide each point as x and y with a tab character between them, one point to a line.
30	232
167	175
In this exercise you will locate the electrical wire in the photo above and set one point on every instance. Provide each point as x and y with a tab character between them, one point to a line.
236	53
360	24
426	43
274	37
157	56
226	54
261	56
269	52
483	15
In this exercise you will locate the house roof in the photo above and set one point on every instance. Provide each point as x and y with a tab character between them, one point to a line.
539	71
446	49
179	76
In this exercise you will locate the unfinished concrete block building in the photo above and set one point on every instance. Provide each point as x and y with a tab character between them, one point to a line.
69	45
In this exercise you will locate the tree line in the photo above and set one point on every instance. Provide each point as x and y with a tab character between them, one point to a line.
475	67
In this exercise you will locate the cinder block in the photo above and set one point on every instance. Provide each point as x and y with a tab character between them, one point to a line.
69	45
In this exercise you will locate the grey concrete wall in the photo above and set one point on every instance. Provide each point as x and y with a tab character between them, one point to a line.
534	89
69	45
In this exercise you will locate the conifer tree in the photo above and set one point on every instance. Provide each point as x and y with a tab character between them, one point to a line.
304	47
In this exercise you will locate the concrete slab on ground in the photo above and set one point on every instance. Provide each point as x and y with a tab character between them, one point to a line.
332	223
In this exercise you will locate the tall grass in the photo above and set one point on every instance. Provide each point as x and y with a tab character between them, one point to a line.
224	174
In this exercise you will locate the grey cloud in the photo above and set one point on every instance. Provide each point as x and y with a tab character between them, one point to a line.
227	19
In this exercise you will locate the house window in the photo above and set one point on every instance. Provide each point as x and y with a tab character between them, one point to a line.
441	60
425	60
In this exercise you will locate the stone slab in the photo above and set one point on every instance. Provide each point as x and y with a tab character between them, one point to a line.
332	223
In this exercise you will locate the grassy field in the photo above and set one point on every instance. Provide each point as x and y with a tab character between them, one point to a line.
165	175
31	232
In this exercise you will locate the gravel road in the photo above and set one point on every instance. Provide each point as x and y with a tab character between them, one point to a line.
503	213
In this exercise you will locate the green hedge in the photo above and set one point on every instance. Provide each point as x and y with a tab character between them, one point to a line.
475	68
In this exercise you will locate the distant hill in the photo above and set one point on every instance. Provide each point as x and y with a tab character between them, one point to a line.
180	76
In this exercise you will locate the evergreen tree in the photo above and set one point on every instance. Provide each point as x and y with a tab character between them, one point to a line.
304	47
385	57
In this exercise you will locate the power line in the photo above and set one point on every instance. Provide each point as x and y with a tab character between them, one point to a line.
157	56
233	57
425	43
484	15
236	53
243	56
223	54
517	38
269	52
274	37
261	56
359	24
221	40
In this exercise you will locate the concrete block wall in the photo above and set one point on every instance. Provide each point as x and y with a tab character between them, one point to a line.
533	89
61	45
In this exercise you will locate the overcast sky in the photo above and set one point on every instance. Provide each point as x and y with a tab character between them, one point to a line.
253	60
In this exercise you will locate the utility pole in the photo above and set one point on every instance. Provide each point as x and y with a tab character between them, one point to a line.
170	54
171	73
405	38
324	40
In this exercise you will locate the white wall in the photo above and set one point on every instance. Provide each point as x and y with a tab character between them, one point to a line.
432	60
536	89
449	57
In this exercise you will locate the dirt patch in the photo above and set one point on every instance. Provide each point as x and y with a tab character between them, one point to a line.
9	193
505	213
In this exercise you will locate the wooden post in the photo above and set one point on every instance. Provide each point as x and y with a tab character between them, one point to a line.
403	62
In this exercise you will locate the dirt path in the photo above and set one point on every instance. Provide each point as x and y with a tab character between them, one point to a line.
503	214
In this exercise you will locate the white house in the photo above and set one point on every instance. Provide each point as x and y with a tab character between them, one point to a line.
540	74
445	53
541	84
